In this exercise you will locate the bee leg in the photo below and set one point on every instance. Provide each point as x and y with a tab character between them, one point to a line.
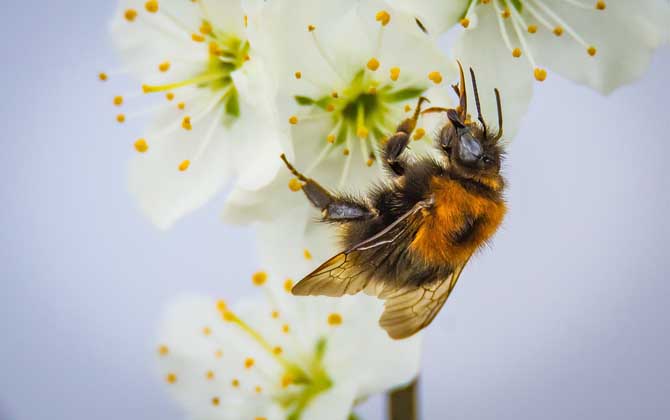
332	208
399	141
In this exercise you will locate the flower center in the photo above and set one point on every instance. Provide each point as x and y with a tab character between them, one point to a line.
227	53
522	16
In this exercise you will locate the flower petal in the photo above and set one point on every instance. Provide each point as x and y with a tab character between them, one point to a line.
625	35
436	16
334	404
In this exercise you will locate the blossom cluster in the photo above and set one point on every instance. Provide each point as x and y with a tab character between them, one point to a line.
226	86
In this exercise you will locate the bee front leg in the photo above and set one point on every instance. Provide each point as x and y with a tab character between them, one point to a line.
333	208
399	141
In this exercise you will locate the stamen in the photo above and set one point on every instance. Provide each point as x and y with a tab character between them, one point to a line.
419	133
186	123
141	146
306	254
102	76
465	22
373	64
516	53
163	350
249	363
206	331
130	15
151	6
293	120
383	17
298	75
334	319
215	401
532	28
118	100
600	5
395	73
209	375
171	378
121	118
203	78
435	77
563	24
501	25
184	165
164	66
517	21
197	38
288	285
259	278
558	31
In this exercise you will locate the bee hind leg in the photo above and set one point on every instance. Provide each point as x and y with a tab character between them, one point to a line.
333	208
399	141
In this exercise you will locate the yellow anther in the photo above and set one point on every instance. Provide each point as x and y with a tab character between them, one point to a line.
215	401
293	120
395	73
181	105
286	380
258	389
373	64
334	94
486	1
218	354
294	185
298	75
261	418
151	6
334	319
197	38
274	314
118	100
103	77
121	118
209	375
246	21
465	22
285	328
330	108
186	123
532	28
311	28
229	316
362	132
372	90
247	57
383	17
205	28
235	383
171	378
184	165
307	254
592	51
288	285
558	31
516	53
408	108
249	363
600	5
164	66
163	350
505	13
435	77
206	330
214	48
259	278
346	151
331	138
169	96
370	162
540	74
221	305
277	351
130	15
141	145
419	133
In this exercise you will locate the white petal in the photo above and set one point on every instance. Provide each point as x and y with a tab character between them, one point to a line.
225	14
361	349
164	192
436	16
191	354
334	404
484	50
625	34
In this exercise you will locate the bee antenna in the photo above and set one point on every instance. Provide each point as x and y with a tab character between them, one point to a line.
479	108
500	115
463	96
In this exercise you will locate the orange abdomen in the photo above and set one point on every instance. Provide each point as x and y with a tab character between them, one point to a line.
459	223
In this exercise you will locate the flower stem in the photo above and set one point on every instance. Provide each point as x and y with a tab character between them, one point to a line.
402	403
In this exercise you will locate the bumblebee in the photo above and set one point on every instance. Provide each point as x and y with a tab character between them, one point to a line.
408	240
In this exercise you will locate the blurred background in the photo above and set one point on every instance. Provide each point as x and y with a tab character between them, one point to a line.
564	317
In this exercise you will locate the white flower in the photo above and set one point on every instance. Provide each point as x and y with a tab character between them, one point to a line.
511	42
279	357
212	113
350	72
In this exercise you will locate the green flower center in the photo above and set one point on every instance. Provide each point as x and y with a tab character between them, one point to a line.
367	110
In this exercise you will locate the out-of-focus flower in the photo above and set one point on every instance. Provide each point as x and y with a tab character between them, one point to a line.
280	357
511	43
212	116
350	72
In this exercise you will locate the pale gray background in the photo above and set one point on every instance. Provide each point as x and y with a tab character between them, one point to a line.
566	318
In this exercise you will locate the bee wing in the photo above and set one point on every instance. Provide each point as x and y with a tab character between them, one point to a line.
411	309
349	272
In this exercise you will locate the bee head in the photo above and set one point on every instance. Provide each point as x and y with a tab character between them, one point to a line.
469	146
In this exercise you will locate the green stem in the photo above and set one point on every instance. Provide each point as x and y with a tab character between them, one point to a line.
403	404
